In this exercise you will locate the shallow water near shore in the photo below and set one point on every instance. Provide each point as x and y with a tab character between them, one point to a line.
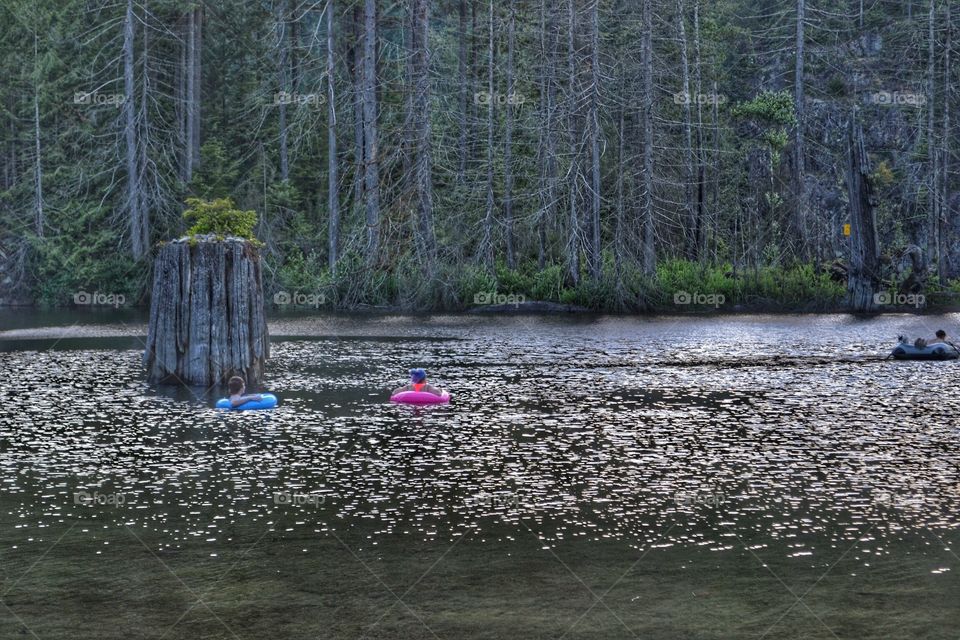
593	477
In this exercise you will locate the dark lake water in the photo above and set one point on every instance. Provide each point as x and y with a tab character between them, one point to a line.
593	477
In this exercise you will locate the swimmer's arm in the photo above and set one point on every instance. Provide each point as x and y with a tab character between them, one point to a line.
432	389
406	387
239	400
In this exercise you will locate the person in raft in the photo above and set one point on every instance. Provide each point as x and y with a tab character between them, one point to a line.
237	386
418	382
941	336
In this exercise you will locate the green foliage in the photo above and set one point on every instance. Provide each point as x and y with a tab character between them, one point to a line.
837	86
548	283
777	139
473	281
306	274
54	51
219	217
83	258
518	280
882	176
798	286
771	108
216	176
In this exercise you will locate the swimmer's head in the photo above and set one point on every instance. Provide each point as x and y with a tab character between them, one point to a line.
236	385
941	334
417	375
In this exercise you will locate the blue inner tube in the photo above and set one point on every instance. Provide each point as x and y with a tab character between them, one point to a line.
269	401
935	351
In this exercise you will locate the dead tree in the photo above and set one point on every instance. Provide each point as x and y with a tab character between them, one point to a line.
371	156
863	275
207	319
333	185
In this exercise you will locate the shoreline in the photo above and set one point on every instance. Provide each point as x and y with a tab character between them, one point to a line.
533	307
56	324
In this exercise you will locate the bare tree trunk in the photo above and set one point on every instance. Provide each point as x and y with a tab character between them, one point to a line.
283	55
180	100
144	141
619	221
487	241
38	216
197	90
207	321
548	145
407	143
296	72
191	42
134	196
573	219
863	276
194	39
933	215
701	234
370	151
473	138
11	176
649	248
799	163
424	154
464	93
593	131
946	218
333	185
508	143
717	161
356	70
690	225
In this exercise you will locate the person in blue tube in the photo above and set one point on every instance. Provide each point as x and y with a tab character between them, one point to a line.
237	386
418	382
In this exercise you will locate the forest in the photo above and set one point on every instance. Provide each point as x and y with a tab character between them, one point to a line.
618	155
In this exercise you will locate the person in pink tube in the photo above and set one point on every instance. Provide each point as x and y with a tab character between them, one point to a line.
418	382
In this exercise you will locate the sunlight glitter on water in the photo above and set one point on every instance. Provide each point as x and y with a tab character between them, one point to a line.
719	434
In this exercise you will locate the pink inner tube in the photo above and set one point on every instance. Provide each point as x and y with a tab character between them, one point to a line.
420	397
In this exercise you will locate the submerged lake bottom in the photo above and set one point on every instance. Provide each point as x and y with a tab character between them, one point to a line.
592	477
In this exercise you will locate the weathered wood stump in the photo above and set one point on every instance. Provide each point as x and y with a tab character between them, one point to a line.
207	318
863	276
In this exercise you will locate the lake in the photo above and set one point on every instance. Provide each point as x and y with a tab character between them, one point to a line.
593	477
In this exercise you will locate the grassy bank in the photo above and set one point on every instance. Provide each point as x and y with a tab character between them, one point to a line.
298	280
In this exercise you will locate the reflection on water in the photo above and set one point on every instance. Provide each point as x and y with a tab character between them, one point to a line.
720	430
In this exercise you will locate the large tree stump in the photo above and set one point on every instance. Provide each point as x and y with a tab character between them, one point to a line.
207	318
863	277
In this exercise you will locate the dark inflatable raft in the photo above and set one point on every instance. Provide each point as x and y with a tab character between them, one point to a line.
935	351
